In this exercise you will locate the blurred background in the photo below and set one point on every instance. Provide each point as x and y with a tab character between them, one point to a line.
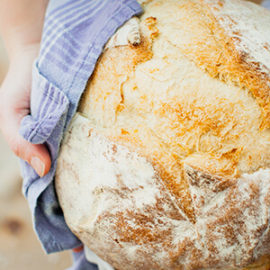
19	247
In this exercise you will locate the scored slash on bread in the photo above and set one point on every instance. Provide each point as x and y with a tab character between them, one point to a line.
166	165
130	219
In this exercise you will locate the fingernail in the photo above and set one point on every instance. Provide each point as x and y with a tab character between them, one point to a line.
38	166
78	249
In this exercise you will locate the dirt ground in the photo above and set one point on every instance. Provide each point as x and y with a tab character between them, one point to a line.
19	246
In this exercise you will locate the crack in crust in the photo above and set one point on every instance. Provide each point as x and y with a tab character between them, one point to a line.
134	221
221	54
237	63
156	201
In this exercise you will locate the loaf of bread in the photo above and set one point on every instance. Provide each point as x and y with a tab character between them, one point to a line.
166	165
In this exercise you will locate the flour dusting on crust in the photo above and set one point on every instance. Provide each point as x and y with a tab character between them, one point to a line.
129	219
167	164
249	24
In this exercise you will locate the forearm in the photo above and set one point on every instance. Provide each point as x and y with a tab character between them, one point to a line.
21	23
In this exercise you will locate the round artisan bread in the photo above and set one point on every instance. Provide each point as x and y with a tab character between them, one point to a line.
166	165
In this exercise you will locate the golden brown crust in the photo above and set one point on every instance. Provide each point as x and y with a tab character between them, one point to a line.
232	217
205	146
109	70
217	53
227	63
261	264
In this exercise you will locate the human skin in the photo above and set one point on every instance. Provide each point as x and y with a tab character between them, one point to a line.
21	23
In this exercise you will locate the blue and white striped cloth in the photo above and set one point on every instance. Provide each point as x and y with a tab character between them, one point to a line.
266	4
75	32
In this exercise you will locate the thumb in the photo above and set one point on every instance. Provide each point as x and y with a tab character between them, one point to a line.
37	155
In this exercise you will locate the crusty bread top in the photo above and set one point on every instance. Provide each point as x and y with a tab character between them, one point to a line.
248	26
230	40
116	203
193	100
174	98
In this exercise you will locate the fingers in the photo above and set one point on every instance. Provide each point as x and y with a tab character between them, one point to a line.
36	155
14	105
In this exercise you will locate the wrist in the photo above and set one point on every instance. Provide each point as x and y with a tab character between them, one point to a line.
19	42
28	52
